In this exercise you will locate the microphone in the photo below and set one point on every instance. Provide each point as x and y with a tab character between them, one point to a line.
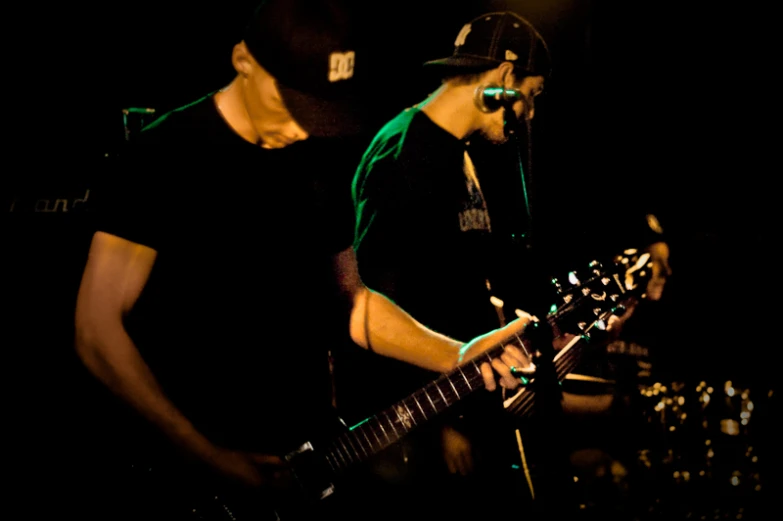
491	98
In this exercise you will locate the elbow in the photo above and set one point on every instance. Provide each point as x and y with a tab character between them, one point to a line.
86	341
83	340
90	337
358	326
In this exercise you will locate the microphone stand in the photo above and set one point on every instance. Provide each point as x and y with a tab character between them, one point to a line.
547	432
513	131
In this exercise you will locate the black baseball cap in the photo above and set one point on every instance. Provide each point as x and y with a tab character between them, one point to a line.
310	47
493	38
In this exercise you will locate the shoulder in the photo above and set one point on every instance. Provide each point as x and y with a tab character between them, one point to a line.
179	136
390	138
184	124
402	146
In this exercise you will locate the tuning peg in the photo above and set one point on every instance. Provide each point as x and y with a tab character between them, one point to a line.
573	279
557	285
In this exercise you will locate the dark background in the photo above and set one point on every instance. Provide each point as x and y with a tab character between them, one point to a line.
667	104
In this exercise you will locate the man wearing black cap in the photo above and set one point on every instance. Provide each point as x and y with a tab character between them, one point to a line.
425	238
423	232
211	317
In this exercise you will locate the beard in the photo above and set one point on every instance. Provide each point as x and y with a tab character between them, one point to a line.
493	135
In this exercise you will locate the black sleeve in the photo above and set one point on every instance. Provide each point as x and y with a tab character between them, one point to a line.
406	246
341	222
135	193
395	207
395	220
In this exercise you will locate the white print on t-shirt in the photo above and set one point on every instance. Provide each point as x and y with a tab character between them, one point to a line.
475	215
52	205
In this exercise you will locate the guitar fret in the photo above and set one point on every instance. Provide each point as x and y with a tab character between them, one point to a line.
365	437
452	386
388	418
430	399
410	414
380	443
329	457
380	424
478	369
465	378
347	450
437	386
358	442
420	407
340	453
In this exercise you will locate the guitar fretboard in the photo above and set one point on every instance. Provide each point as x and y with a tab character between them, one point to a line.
377	432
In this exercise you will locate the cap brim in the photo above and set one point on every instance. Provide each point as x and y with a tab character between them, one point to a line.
467	63
337	117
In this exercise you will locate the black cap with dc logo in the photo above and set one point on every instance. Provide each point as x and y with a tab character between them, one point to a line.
310	47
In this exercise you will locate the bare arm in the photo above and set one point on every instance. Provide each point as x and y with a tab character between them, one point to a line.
116	272
377	322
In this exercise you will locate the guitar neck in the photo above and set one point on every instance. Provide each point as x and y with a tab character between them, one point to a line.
378	432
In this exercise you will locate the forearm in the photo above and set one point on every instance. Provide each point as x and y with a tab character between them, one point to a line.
110	354
379	324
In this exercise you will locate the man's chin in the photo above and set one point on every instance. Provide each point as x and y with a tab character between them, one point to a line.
494	139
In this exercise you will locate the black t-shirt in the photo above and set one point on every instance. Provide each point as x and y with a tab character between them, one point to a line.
423	240
241	303
46	227
422	231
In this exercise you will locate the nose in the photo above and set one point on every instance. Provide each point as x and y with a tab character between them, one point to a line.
295	132
526	108
299	134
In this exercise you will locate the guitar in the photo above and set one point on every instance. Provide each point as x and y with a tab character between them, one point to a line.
320	464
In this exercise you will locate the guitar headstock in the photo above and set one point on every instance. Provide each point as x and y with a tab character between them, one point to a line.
584	299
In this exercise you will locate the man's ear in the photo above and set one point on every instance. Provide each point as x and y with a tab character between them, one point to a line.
506	73
242	60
